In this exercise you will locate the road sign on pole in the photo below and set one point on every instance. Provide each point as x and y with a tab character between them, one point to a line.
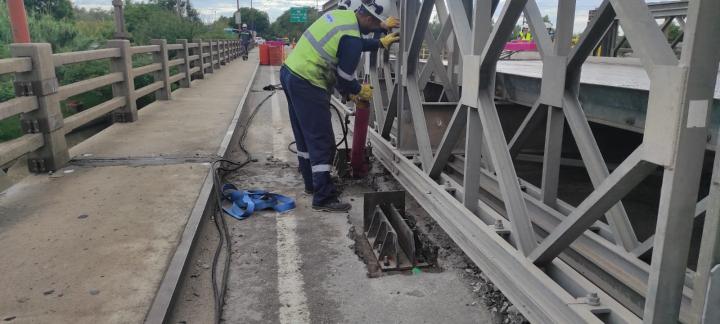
298	14
238	17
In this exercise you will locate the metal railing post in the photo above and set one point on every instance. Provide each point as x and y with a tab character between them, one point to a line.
47	119
185	67
201	60
126	88
161	56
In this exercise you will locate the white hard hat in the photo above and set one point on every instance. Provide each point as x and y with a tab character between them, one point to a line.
244	25
348	4
381	9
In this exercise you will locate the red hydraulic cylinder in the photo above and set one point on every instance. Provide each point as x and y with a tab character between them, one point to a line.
18	21
358	163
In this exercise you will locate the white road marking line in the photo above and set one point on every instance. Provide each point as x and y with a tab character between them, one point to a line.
279	150
291	293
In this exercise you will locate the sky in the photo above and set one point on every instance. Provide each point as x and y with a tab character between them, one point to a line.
212	9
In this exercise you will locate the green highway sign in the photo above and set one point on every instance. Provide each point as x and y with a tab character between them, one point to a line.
298	14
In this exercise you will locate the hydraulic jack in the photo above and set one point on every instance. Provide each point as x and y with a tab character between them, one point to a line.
358	160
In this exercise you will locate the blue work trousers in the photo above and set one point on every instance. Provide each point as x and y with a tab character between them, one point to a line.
309	108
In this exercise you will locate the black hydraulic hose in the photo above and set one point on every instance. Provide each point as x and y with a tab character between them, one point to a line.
343	126
220	288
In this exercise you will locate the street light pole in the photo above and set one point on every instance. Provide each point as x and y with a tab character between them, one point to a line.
120	31
238	18
252	17
18	21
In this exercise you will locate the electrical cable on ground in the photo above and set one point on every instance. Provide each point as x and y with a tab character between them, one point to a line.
220	224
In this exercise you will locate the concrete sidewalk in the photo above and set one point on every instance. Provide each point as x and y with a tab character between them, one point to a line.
91	243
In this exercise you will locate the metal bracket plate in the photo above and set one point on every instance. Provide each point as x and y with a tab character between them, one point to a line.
388	233
36	88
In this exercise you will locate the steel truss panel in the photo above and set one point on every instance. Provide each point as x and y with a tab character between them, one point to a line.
551	259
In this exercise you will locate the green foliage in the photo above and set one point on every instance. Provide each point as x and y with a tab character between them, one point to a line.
93	14
58	9
179	7
10	128
216	30
282	27
673	32
255	19
151	21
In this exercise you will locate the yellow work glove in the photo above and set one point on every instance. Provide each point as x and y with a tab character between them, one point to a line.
389	39
390	23
365	93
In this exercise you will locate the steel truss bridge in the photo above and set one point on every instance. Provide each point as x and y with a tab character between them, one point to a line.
556	262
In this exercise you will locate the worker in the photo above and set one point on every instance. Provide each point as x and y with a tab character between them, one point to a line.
246	37
329	51
525	34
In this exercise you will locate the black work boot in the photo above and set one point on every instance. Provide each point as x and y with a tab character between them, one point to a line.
308	191
333	206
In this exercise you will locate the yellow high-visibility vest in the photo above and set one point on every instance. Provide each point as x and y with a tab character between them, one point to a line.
315	55
526	36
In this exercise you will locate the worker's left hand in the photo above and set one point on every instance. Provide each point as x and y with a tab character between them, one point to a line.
365	93
389	39
390	23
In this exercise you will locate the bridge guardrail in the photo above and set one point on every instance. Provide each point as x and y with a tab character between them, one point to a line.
38	95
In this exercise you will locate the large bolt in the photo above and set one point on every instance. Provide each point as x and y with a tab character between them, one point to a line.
593	299
499	224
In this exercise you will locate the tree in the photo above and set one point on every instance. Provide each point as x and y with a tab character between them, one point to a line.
92	14
282	27
183	8
59	9
673	32
255	19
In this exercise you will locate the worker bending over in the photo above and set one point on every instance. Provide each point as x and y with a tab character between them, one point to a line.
329	51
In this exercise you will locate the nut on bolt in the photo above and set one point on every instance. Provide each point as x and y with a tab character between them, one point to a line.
593	299
499	224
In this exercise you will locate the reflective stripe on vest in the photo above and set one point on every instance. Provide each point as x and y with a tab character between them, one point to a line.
315	60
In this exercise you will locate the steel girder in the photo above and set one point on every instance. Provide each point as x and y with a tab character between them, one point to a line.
669	11
553	256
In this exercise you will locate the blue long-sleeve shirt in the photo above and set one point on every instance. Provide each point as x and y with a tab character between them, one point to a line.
349	50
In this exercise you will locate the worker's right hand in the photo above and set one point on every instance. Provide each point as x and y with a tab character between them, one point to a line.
389	39
365	93
390	23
